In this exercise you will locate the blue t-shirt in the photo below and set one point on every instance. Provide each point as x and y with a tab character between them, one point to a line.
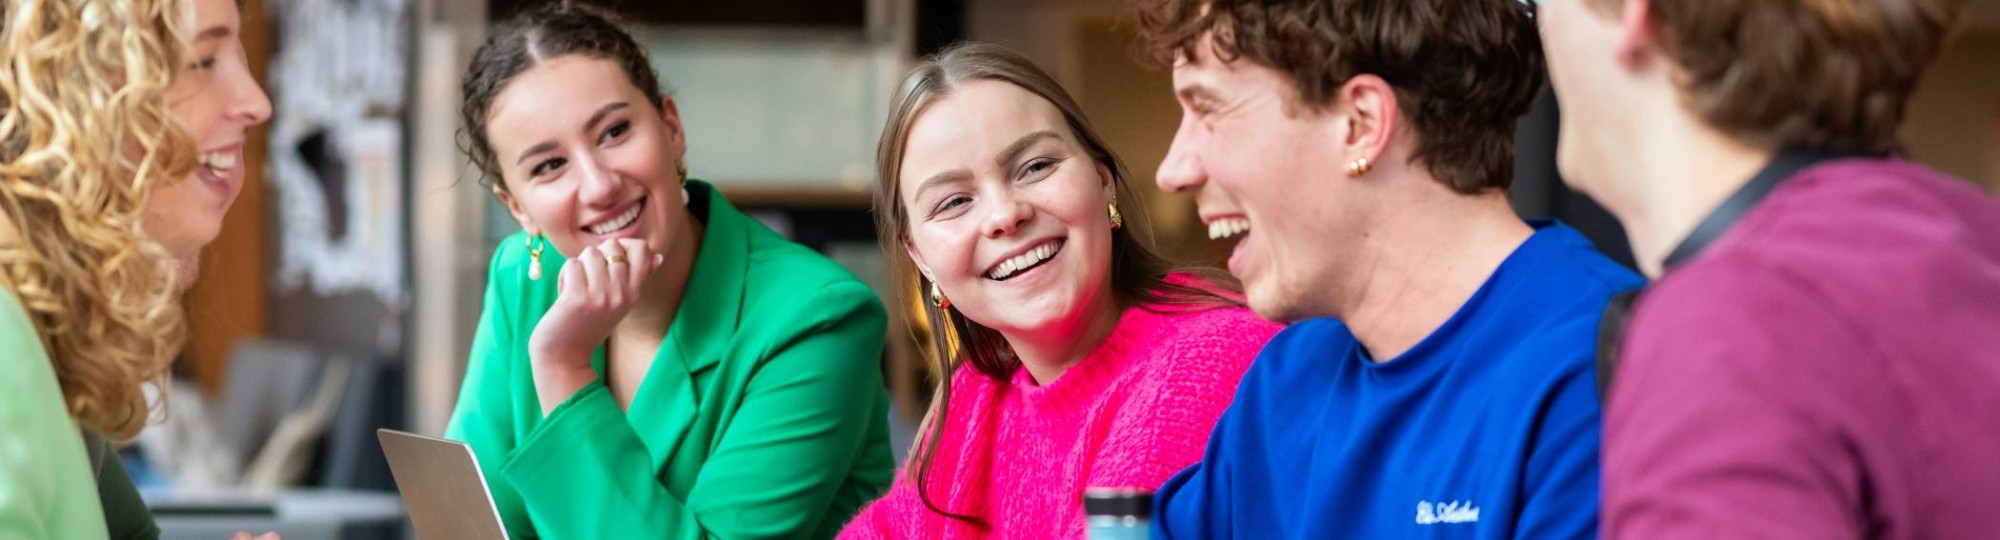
1488	428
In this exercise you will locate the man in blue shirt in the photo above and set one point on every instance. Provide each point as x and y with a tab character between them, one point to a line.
1359	154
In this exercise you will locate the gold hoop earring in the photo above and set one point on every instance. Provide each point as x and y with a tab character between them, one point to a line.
535	256
1116	220
937	297
1359	167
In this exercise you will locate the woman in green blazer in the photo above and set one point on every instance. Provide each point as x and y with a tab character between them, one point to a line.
651	363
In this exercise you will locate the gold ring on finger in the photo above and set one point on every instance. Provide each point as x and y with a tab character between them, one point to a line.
614	259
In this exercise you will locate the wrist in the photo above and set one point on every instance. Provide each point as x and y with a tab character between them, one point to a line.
554	384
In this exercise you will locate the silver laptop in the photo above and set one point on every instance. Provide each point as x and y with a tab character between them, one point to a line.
442	488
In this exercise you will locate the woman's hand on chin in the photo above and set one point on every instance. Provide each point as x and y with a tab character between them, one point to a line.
594	291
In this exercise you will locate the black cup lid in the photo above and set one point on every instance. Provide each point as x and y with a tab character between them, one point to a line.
1118	502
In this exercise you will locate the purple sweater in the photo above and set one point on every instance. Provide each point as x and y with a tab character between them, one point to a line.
1828	368
1133	412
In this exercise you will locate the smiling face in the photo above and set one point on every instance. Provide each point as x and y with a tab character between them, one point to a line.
1270	174
1006	210
585	157
216	101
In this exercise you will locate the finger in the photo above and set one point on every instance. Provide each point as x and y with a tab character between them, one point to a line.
240	535
567	278
638	263
268	536
595	275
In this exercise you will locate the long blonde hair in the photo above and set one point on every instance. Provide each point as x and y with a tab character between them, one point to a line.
1139	275
87	134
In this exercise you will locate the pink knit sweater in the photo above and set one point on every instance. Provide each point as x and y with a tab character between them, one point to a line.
1133	412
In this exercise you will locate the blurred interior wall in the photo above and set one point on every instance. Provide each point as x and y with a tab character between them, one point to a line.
1953	122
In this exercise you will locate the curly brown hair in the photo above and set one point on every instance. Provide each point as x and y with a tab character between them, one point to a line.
1463	70
86	135
1835	74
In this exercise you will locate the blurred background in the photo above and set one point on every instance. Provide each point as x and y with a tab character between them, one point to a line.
343	292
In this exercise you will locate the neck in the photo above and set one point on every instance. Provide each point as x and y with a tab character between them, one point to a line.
660	297
1423	262
1049	352
1684	171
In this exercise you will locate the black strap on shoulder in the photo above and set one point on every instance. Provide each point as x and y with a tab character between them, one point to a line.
1784	165
1611	338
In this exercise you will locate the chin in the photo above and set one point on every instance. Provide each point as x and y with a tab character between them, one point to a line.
1273	305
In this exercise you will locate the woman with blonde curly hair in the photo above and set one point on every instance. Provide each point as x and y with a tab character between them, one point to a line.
123	128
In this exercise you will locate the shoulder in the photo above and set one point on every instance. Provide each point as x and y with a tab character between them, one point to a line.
782	277
24	363
1202	345
1221	328
507	285
18	338
1869	234
1571	262
511	254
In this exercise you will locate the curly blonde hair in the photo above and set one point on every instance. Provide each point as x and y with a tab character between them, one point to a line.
88	133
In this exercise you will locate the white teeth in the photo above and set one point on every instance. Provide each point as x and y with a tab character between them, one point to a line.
1023	261
1227	227
616	223
221	161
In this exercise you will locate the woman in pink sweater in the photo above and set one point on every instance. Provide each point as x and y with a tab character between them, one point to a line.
1082	359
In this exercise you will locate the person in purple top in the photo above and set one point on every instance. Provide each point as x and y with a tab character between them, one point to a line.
1819	356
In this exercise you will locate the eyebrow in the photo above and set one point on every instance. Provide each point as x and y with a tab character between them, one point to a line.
1196	91
1006	155
588	126
1020	145
214	32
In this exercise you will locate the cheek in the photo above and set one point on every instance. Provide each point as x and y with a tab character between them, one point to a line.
944	249
642	160
192	112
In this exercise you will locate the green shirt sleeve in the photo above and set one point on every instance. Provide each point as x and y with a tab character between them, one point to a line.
46	490
584	472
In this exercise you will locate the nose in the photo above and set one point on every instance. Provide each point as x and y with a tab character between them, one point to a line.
1006	215
247	101
597	185
1181	171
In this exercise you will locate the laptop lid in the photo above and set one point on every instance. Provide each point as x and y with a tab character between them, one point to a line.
442	488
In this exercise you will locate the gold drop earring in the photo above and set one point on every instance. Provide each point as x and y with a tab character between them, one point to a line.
535	256
937	297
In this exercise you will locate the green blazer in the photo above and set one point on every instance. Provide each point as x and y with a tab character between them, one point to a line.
764	414
47	487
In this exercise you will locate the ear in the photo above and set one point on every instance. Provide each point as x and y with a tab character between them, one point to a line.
1636	39
670	117
918	258
1372	116
514	207
1107	183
